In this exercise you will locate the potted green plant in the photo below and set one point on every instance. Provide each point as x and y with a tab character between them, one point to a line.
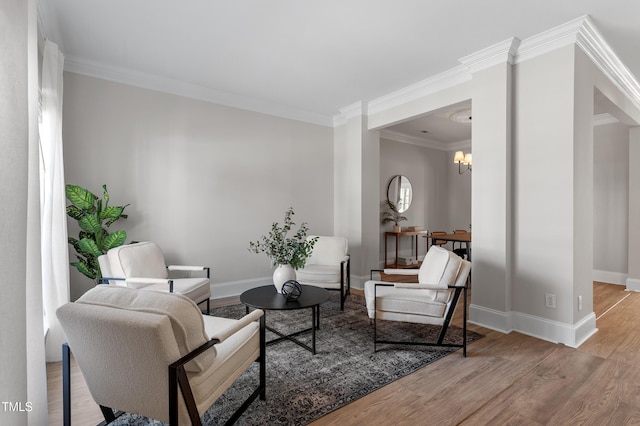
94	217
392	215
286	253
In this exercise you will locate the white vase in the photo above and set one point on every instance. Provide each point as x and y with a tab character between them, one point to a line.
281	275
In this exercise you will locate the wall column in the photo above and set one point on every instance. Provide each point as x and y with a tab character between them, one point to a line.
491	196
356	177
633	279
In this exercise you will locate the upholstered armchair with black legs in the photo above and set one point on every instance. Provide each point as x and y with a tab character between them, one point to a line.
142	266
329	266
153	353
442	278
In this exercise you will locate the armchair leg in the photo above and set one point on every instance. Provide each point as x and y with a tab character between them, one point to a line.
108	415
66	384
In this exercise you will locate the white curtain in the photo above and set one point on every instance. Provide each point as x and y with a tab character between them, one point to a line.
54	245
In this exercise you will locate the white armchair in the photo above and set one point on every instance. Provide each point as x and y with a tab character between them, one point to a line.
142	266
329	266
442	277
126	341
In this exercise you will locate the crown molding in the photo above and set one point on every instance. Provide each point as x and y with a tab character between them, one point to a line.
193	91
356	109
499	53
547	41
580	31
396	136
598	50
452	77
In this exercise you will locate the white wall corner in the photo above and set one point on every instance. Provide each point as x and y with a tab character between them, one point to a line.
633	284
499	53
540	328
609	277
356	109
604	119
489	318
572	335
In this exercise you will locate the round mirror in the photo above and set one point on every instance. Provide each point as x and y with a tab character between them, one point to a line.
399	193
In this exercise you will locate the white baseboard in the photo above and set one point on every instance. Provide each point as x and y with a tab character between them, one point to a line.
633	284
609	277
236	288
572	335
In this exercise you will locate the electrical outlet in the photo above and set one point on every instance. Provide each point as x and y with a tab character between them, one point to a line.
579	303
550	300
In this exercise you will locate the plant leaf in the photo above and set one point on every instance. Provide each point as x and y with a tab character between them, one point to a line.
89	247
111	212
115	239
84	268
89	223
80	197
74	212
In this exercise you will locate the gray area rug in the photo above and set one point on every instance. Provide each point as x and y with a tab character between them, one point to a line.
302	387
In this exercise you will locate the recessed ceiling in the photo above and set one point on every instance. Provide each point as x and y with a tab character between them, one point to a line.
438	125
314	56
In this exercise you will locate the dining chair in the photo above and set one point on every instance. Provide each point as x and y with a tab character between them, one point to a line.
462	248
436	242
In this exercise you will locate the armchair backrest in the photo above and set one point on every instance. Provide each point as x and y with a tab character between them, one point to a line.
328	250
123	340
139	260
441	267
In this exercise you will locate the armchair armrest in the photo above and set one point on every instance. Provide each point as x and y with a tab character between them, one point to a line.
149	281
421	286
186	268
105	280
222	335
190	268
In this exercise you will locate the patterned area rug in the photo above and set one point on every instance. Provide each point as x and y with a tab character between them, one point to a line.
302	387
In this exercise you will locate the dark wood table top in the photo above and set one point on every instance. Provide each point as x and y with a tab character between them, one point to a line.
266	297
465	238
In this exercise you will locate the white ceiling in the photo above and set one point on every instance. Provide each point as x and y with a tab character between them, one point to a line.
313	57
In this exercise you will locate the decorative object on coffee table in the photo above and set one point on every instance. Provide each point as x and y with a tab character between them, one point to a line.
283	250
292	289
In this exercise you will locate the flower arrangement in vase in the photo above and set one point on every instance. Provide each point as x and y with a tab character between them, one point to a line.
286	253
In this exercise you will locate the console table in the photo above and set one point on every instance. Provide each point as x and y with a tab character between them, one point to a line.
413	234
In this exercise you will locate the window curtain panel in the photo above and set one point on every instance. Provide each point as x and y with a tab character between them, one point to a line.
53	219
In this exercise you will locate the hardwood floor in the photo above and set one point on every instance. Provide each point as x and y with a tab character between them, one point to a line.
505	379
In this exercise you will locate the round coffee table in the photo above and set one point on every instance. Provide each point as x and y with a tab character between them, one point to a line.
268	299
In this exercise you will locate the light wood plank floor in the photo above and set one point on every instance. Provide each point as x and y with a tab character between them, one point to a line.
505	379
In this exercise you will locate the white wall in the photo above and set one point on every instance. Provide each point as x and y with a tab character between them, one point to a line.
611	202
14	143
426	169
543	185
202	179
459	195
